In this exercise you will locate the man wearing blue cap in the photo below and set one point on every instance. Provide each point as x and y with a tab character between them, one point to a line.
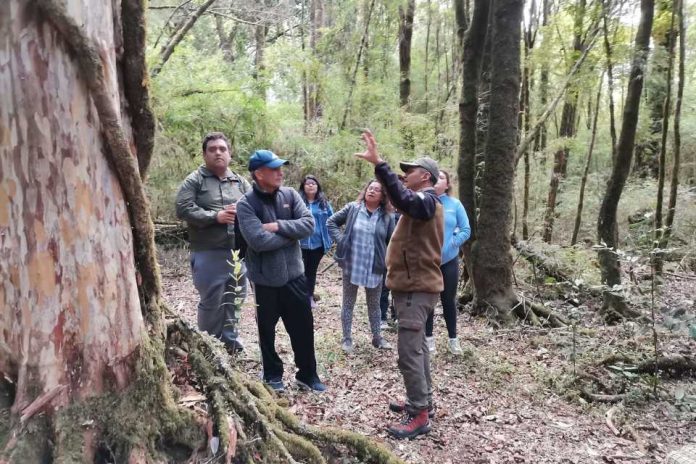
273	219
206	201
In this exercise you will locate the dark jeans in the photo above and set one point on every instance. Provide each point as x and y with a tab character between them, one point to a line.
311	260
450	274
289	303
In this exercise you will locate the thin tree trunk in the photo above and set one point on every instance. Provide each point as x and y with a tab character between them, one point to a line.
672	203
610	76
666	110
225	40
168	49
260	32
543	84
316	20
647	157
583	181
405	34
615	307
525	112
567	131
492	260
427	49
354	75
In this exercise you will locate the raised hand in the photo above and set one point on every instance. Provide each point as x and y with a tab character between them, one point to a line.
370	154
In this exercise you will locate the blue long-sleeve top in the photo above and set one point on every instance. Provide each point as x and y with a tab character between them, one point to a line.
457	229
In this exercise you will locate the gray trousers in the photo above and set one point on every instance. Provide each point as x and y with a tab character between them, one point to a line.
412	310
220	304
350	295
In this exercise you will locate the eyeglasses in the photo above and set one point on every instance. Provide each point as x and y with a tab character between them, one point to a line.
309	182
374	189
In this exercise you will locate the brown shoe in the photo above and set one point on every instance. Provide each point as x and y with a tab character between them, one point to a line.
411	426
400	406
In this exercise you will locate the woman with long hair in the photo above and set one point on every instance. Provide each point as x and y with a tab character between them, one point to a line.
457	231
361	249
316	245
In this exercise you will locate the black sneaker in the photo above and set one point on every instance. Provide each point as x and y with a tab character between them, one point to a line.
315	385
276	384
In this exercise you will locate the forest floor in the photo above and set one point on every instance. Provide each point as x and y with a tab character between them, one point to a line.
512	397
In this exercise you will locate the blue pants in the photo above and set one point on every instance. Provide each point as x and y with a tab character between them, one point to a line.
221	300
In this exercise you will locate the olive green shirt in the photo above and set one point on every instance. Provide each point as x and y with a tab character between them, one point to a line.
198	201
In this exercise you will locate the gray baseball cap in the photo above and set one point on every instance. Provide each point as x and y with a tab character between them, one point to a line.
426	163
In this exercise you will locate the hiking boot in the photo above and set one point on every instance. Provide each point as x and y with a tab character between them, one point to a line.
347	345
276	385
454	347
383	325
315	385
400	406
235	346
411	426
431	344
381	344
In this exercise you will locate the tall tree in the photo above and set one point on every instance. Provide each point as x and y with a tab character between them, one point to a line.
664	126
606	8
676	156
656	88
615	307
406	15
468	109
588	161
316	22
568	128
81	314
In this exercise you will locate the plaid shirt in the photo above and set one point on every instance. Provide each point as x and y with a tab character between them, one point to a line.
362	252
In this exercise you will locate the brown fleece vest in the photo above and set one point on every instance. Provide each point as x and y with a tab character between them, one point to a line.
414	254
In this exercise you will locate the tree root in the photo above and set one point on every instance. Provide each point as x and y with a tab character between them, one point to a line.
257	412
671	366
538	315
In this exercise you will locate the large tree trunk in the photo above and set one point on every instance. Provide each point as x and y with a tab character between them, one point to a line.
468	109
405	34
74	308
615	306
492	260
81	332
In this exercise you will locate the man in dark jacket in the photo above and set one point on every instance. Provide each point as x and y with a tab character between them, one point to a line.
414	277
207	202
273	219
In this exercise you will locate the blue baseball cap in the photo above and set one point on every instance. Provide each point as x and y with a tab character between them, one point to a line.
265	158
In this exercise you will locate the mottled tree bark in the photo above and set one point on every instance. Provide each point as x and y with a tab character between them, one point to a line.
615	307
74	306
